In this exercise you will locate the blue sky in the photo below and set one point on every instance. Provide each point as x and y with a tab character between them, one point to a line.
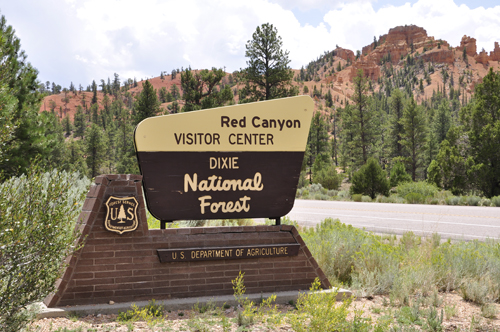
82	40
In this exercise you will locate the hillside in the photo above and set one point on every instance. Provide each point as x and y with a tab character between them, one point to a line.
402	58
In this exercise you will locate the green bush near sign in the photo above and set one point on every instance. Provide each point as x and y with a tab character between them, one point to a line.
37	232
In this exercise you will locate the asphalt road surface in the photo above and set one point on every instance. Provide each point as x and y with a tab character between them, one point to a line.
455	222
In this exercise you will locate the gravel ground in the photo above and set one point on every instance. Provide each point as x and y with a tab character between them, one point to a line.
459	316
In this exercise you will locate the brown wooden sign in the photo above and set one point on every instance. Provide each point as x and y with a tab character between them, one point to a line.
240	161
121	214
235	252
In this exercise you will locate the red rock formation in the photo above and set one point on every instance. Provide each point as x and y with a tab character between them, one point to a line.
482	57
439	55
370	68
410	34
344	54
469	44
367	49
495	54
398	43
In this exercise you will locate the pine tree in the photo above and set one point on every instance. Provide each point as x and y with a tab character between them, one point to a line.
362	116
68	127
94	95
370	180
268	72
174	90
76	161
413	136
199	90
147	103
95	149
163	94
481	125
18	79
442	121
79	122
317	143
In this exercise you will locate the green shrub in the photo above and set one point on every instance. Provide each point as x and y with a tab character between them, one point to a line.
414	198
423	188
399	175
151	312
328	178
365	198
357	197
370	180
432	200
38	212
371	264
452	200
474	291
495	201
344	194
485	202
332	193
473	200
319	311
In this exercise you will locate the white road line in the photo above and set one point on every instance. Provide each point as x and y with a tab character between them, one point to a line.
419	220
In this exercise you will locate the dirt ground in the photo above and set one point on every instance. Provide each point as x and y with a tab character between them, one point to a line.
459	315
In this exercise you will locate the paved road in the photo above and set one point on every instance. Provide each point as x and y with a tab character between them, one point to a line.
456	222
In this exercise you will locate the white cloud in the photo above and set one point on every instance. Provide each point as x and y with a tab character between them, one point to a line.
101	37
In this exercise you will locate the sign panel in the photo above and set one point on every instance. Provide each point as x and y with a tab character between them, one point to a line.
239	161
235	252
121	214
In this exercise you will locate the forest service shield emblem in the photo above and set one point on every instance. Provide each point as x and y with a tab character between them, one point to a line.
121	214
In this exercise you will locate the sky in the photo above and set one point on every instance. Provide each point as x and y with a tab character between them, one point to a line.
83	40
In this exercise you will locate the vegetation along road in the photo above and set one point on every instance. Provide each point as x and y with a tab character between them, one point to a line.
455	222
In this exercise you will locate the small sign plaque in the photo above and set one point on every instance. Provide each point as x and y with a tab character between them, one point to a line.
121	214
234	252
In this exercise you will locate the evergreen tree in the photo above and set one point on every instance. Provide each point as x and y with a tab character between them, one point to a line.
362	117
7	125
174	90
95	149
127	160
94	114
317	143
116	84
168	97
27	138
413	136
450	170
396	128
76	161
68	127
268	73
481	127
79	122
370	180
442	121
398	174
147	103
53	145
199	90
94	95
163	95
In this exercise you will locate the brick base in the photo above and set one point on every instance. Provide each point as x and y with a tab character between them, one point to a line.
125	268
